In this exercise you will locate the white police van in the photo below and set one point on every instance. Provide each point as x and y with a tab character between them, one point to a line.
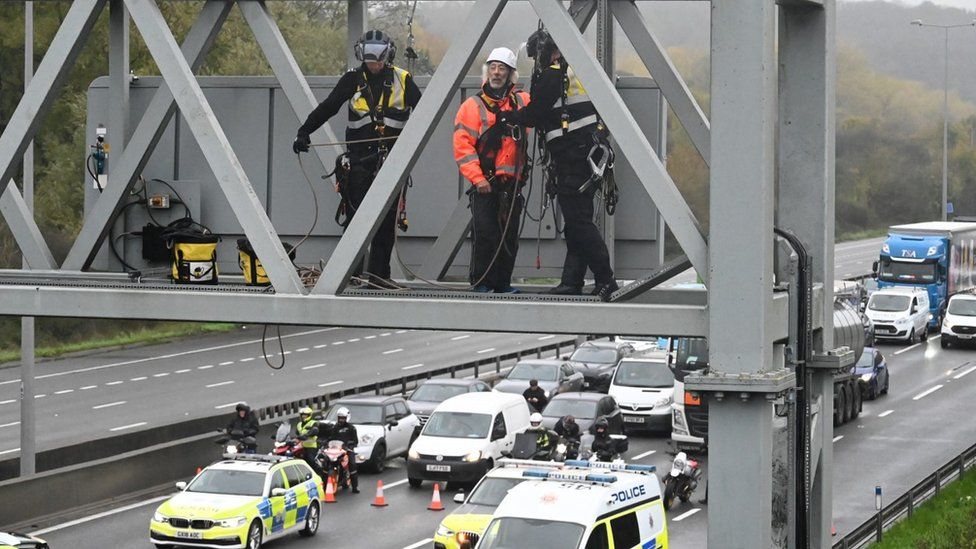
582	506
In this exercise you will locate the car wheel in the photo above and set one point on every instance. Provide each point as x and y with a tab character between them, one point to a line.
378	461
911	336
944	342
925	333
839	405
311	521
415	482
887	379
254	535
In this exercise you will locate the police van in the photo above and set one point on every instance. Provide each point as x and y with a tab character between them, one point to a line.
583	506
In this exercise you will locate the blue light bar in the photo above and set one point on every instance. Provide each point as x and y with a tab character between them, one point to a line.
535	473
611	466
601	478
568	476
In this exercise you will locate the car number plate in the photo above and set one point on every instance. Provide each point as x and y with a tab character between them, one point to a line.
634	419
964	336
189	535
439	468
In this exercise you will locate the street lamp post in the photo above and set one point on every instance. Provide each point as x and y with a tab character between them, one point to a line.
945	109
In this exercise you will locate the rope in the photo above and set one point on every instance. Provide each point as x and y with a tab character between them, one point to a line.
353	142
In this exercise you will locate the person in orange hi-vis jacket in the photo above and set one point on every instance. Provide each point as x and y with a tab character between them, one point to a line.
491	154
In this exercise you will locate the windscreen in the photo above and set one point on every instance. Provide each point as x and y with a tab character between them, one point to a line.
867	359
644	373
520	533
888	303
583	409
358	413
900	271
284	432
595	354
458	425
431	392
529	370
226	481
690	355
492	491
962	307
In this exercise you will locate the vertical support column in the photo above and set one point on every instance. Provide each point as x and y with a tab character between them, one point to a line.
604	54
118	71
806	196
28	422
740	258
355	27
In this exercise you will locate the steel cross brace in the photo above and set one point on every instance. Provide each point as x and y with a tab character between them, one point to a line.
216	148
407	149
631	141
27	118
147	134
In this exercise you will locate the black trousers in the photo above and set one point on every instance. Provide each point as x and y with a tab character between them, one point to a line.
584	244
381	248
489	213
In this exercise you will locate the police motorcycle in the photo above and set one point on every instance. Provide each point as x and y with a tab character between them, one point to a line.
236	442
617	448
334	461
287	442
527	447
682	480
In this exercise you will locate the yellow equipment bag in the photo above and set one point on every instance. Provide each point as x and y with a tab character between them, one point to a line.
194	258
254	273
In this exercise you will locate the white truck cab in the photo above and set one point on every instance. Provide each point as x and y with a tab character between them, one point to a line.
900	312
582	506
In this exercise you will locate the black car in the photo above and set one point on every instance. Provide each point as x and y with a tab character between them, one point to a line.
586	408
596	360
432	392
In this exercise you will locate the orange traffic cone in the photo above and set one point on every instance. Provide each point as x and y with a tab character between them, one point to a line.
435	501
833	529
329	491
199	469
380	501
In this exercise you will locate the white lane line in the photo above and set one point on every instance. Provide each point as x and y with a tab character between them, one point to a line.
685	515
885	413
353	340
228	363
101	515
109	405
412	366
116	382
302	350
397	483
9	424
926	393
207	367
933	338
64	392
248	359
391	351
460	337
338	342
329	384
960	374
644	455
163	374
313	366
370	337
543	338
221	384
228	405
488	350
11	401
142	378
907	349
12	450
838	437
420	543
171	355
320	346
384	334
42	395
87	387
129	426
183	371
401	331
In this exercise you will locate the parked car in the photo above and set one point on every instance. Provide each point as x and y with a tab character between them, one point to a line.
385	425
432	392
872	371
644	388
959	322
555	376
596	360
586	408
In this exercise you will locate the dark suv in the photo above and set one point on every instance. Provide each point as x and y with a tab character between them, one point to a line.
596	360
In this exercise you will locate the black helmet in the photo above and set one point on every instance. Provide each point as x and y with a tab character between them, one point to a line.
243	407
601	423
375	46
540	46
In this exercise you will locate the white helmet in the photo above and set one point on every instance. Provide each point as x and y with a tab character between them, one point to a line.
343	412
503	55
535	419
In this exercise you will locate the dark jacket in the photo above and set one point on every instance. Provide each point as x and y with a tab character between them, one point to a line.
346	433
248	424
603	445
539	394
568	431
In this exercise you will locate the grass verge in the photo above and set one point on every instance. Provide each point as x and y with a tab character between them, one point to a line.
946	521
140	336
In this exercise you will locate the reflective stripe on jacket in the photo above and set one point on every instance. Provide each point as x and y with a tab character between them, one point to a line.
395	111
577	106
304	428
472	120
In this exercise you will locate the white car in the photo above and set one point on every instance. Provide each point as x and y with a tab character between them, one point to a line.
385	425
900	312
644	388
959	322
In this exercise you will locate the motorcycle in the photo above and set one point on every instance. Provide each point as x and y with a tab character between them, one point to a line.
566	448
236	442
526	447
334	460
619	445
287	442
681	482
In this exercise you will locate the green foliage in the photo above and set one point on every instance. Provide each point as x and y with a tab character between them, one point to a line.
943	522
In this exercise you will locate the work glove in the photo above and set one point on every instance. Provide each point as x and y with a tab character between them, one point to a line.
302	141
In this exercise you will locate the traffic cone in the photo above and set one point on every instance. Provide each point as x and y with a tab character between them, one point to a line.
833	529
379	501
329	491
199	469
435	501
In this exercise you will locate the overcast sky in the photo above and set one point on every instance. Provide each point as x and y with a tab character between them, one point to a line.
964	4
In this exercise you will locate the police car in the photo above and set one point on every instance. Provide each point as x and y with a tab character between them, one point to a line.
468	521
240	502
584	506
14	540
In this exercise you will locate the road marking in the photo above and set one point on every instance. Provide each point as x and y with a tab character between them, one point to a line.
9	424
459	338
221	384
11	401
171	355
959	375
229	362
12	450
130	426
397	483
353	340
338	342
164	374
228	405
384	334
116	382
402	331
412	366
320	346
543	338
933	338
207	367
924	394
302	350
685	515
391	351
838	437
183	371
488	350
143	378
109	405
64	392
644	455
885	413
101	515
329	384
86	387
907	349
370	337
420	543
248	359
313	366
42	395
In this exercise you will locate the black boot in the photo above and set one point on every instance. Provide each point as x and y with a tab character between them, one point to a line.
565	289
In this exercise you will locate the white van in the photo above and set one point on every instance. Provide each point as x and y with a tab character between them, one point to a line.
465	435
643	387
582	506
959	322
900	312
